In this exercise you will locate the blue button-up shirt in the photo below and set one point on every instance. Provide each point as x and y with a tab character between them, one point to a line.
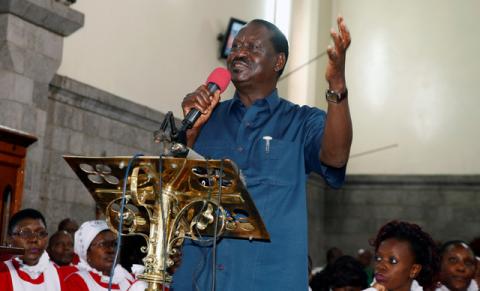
276	176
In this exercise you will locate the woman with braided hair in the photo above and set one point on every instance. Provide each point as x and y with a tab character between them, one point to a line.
405	258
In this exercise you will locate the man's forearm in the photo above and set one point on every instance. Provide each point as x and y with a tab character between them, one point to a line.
337	136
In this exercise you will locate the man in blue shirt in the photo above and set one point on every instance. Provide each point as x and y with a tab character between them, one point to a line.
275	144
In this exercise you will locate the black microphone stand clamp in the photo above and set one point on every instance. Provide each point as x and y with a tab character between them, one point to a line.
174	141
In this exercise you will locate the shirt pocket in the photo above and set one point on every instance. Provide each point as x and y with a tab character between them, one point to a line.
279	161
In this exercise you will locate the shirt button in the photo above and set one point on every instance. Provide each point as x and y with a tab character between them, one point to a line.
220	267
248	124
240	149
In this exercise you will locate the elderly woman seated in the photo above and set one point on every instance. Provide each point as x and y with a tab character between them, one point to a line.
95	244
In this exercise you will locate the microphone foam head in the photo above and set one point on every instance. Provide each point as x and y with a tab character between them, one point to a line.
221	77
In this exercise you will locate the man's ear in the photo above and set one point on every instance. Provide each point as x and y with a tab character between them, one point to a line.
280	62
415	270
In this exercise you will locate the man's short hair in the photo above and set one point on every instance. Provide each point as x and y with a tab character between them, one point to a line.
57	234
24	214
278	39
347	271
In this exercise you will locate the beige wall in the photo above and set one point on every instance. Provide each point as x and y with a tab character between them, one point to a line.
412	68
414	75
150	51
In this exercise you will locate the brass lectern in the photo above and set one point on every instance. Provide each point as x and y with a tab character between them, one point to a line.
169	201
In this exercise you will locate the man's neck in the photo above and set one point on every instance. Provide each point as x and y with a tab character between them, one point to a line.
249	94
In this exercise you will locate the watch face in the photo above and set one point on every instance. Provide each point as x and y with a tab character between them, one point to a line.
335	97
332	96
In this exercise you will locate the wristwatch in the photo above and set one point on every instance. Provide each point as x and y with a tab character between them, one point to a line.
335	97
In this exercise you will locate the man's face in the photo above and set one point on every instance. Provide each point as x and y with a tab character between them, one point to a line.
253	58
458	267
31	235
365	258
60	249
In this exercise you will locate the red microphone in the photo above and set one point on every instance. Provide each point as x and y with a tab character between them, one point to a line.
220	77
217	80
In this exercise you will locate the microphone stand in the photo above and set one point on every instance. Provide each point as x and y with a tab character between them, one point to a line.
174	140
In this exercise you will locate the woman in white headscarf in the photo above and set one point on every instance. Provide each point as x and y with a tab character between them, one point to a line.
95	245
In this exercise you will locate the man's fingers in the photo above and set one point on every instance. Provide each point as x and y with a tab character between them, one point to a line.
339	19
346	37
341	40
215	98
336	38
194	101
344	32
199	99
332	54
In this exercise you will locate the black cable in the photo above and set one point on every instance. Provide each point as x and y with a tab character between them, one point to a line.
120	222
214	248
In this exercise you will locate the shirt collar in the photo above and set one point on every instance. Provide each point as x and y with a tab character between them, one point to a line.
272	101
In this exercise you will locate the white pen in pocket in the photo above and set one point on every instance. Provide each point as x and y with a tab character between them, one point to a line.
267	140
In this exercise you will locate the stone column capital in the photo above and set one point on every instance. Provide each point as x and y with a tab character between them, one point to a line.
48	14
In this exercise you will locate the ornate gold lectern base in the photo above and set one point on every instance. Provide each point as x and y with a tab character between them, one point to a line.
186	203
